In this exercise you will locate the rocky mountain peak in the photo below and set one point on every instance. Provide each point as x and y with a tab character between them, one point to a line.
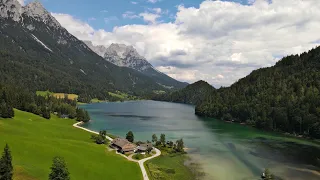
38	12
123	51
10	9
100	50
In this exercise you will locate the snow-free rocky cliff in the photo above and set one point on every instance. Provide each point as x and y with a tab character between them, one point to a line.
13	9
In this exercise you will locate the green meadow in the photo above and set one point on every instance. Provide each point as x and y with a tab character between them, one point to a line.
168	167
34	141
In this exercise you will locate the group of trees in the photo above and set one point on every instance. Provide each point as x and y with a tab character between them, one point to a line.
82	115
178	146
285	97
59	170
22	99
101	138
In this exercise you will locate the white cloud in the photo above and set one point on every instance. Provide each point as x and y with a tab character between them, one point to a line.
77	27
134	2
104	11
157	10
130	15
153	1
220	41
150	17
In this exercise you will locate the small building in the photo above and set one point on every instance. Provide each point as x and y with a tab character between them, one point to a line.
123	145
64	116
143	147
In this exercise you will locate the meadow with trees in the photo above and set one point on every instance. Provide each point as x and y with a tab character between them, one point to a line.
41	140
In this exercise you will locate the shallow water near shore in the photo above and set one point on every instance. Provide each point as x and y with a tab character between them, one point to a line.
224	150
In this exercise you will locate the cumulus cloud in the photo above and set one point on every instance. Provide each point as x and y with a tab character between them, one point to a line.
150	17
220	41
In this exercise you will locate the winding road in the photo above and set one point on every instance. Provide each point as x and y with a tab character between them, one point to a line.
140	162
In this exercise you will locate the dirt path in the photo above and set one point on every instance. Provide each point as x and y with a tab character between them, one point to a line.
129	158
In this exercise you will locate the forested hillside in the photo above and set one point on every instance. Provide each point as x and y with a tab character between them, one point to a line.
193	94
19	98
38	54
284	97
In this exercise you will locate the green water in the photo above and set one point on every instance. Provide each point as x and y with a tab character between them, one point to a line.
225	151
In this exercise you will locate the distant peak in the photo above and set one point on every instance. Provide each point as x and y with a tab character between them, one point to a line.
36	10
35	3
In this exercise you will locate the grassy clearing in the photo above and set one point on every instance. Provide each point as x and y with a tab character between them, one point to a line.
168	167
57	95
118	95
123	96
141	156
34	142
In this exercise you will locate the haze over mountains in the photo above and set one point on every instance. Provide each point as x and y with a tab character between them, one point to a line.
43	55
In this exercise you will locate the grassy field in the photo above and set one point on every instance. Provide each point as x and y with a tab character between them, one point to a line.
34	142
168	167
57	95
123	96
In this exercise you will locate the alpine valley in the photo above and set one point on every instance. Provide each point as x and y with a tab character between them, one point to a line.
39	54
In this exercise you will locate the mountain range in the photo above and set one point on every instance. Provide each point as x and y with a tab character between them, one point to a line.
36	52
127	56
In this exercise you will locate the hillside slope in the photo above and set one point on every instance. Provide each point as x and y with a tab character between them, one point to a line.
36	52
285	97
192	94
34	141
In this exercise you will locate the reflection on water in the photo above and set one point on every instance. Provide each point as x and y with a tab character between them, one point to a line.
224	150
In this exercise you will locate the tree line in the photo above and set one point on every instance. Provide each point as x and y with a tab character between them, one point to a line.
24	100
59	170
285	97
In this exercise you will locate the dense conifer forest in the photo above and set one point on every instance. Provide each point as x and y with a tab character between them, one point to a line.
283	98
19	98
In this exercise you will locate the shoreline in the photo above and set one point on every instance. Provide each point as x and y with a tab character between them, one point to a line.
140	162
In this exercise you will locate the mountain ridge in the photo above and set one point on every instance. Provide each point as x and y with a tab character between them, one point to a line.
43	55
127	56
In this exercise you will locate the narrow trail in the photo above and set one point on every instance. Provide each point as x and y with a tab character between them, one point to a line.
129	158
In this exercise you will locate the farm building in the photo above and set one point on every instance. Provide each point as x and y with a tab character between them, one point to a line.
123	145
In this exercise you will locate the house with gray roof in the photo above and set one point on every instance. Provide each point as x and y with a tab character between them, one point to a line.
143	147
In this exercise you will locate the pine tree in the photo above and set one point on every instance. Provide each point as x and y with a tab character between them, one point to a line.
130	136
163	139
6	168
59	170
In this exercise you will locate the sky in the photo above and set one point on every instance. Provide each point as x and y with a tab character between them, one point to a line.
190	40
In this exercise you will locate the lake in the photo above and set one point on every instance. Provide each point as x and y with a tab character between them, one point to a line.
225	151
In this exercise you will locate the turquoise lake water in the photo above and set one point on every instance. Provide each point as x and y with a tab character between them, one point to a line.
225	151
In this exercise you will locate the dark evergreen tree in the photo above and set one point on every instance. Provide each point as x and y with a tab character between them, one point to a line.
180	145
130	136
6	168
59	170
163	139
154	138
